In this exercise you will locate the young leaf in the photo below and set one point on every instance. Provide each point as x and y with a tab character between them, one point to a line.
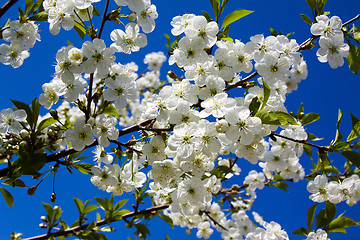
49	210
35	105
28	5
80	29
234	16
301	231
45	123
167	219
9	199
309	118
41	17
341	223
312	4
207	16
273	32
24	106
338	135
267	92
310	216
84	168
353	157
308	150
216	7
306	19
281	185
353	59
355	132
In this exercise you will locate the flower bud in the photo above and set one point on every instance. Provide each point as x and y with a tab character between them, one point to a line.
53	197
24	133
132	17
54	114
221	126
43	225
44	218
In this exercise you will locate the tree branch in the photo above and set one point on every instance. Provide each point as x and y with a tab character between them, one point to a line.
102	222
320	148
6	7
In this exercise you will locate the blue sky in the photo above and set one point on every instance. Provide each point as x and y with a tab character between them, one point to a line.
324	91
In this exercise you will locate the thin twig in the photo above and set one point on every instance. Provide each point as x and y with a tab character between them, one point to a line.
102	222
103	19
6	7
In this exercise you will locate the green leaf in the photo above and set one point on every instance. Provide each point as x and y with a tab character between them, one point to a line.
84	168
24	106
31	163
273	32
321	219
221	171
309	118
9	199
41	17
35	7
267	92
167	237
312	137
330	210
339	146
223	4
306	19
35	105
353	59
79	205
356	32
312	4
80	29
28	5
234	16
341	223
353	157
308	150
14	183
310	216
355	132
120	204
207	16
96	11
46	123
338	135
142	228
301	231
216	7
281	185
49	210
167	219
321	4
254	106
284	118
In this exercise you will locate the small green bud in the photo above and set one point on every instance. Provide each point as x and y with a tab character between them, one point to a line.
54	114
31	190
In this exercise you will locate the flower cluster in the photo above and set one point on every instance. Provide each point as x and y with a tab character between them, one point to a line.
21	36
322	190
332	47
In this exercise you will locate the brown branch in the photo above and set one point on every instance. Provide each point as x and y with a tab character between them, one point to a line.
6	7
102	222
103	19
126	145
320	148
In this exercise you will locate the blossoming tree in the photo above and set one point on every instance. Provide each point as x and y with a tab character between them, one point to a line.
173	144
